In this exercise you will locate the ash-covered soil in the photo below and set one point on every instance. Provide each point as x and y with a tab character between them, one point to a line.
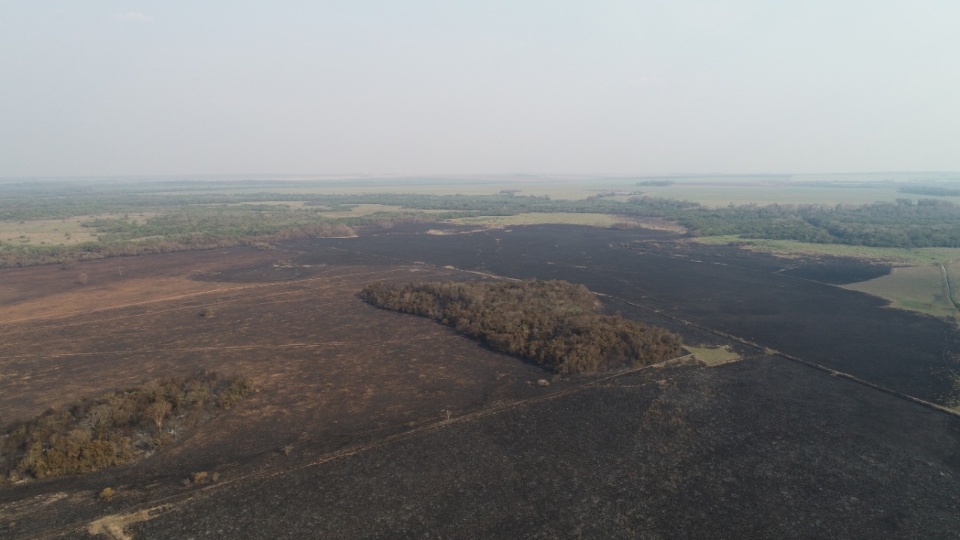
332	371
760	449
789	305
373	424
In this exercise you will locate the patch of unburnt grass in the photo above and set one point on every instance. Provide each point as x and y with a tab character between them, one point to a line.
552	323
714	355
114	428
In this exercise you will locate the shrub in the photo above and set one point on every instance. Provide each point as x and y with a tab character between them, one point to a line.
110	430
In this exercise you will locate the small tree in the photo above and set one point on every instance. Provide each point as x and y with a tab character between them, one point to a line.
157	411
83	279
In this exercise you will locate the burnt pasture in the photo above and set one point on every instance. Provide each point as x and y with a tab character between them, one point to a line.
786	305
369	423
331	371
759	449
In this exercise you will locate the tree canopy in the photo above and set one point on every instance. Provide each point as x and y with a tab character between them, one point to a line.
552	323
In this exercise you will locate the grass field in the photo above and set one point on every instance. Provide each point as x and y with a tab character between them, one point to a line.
916	288
56	232
787	248
714	356
917	284
46	231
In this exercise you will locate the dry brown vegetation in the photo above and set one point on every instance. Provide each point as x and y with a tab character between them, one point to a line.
552	323
116	427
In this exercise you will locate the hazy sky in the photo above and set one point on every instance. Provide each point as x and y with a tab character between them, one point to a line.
92	87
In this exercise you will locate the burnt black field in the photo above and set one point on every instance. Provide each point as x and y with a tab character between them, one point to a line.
759	449
791	306
374	424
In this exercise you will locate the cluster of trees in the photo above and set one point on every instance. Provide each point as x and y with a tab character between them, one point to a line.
552	323
904	223
114	428
171	234
212	221
63	199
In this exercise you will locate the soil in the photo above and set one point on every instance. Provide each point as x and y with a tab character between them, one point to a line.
369	423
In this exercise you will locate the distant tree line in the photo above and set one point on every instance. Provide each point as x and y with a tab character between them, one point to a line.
196	219
904	223
552	323
114	428
214	222
187	230
656	183
930	190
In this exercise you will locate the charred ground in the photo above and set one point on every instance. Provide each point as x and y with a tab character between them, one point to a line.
789	305
369	423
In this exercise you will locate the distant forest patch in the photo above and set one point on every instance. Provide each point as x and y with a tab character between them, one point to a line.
930	190
44	223
552	323
114	428
656	183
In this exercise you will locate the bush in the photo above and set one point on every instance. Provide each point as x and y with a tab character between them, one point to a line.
114	428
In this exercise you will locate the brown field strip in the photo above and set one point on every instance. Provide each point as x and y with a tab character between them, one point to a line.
71	299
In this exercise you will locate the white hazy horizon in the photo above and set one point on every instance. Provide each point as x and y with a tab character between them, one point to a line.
120	88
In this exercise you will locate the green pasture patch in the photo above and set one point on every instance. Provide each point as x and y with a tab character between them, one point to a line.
787	248
714	356
59	231
914	288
